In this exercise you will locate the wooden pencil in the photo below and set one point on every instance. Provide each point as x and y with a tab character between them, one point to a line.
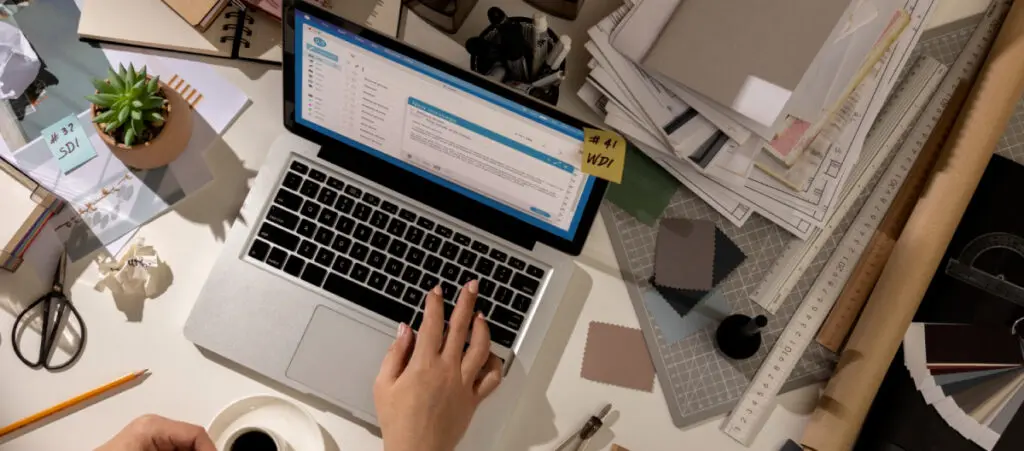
71	402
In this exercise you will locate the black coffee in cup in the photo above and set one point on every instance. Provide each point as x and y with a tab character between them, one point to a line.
254	440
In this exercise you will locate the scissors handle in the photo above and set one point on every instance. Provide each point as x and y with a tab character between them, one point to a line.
49	335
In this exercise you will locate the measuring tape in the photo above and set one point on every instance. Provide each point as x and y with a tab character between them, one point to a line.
757	402
895	118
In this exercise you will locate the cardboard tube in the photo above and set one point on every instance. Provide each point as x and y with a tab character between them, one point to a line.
837	420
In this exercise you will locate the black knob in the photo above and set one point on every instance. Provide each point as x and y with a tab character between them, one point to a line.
739	336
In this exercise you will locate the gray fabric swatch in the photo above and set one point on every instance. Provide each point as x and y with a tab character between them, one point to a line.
946	379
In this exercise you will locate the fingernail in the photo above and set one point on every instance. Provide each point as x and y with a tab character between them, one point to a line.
437	290
402	329
480	315
473	286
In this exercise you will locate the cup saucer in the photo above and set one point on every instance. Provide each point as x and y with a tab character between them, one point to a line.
289	421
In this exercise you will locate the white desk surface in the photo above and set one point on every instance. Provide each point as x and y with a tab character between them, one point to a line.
187	385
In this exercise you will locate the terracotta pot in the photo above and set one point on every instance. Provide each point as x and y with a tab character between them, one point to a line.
167	146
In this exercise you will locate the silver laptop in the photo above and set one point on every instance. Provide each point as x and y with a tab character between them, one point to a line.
401	173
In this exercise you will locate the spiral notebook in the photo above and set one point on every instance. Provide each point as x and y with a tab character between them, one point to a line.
237	33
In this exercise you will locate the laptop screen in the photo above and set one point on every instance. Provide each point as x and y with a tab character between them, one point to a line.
438	127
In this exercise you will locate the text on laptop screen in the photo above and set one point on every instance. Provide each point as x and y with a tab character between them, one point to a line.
437	126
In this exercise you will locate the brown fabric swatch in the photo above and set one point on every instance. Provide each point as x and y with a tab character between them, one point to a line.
684	254
617	355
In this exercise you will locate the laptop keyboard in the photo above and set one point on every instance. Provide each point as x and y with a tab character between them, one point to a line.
356	244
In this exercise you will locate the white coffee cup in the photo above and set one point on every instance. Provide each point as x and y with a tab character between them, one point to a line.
255	433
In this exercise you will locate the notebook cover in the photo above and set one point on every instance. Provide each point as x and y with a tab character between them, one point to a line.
714	47
193	11
213	15
164	30
265	40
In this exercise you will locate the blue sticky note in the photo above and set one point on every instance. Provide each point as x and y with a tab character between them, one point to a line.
68	143
711	309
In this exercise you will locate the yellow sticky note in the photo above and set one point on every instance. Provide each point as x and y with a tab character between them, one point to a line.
604	154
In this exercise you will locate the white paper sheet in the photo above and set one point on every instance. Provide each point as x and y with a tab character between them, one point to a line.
138	273
675	121
384	17
19	64
641	27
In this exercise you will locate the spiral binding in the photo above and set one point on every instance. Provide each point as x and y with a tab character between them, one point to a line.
241	31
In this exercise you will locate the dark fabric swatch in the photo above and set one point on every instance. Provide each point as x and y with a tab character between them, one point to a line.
728	257
682	301
968	345
646	188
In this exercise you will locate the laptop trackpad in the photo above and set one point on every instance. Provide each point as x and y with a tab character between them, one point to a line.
340	357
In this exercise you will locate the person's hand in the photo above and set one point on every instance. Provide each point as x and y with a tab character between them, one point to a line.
425	401
156	433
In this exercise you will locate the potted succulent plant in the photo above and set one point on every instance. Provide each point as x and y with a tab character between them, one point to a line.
145	123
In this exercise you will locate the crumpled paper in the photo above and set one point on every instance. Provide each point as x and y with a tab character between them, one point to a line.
139	273
19	64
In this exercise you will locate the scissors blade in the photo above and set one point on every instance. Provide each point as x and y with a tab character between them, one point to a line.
60	275
52	336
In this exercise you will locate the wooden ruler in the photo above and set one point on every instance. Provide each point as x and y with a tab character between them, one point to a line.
844	314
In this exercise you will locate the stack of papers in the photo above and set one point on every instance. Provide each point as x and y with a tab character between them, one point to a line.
787	164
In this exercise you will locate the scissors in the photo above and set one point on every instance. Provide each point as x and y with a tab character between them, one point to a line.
52	308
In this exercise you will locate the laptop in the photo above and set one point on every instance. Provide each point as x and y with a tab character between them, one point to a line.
400	172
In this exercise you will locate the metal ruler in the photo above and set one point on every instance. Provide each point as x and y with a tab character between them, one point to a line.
862	280
896	117
757	402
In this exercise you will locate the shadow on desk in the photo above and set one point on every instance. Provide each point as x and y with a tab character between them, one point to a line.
217	204
305	398
252	70
73	409
533	423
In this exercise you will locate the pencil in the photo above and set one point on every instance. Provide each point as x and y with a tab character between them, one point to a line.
71	402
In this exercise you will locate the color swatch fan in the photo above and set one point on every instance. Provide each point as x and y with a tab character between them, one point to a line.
972	375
